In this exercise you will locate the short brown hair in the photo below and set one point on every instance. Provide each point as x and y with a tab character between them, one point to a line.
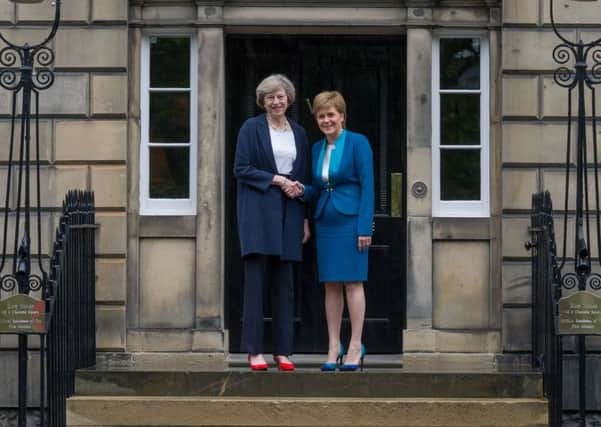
329	99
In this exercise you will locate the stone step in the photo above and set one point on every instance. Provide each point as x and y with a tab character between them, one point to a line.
304	412
372	383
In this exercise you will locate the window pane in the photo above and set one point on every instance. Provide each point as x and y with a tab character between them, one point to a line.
169	173
459	174
459	119
169	117
169	62
460	63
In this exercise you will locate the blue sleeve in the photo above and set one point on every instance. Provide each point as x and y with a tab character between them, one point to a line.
364	164
244	169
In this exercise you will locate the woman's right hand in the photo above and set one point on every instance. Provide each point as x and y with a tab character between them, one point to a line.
280	181
292	189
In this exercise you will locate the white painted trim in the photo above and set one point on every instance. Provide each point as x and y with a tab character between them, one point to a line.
461	208
173	207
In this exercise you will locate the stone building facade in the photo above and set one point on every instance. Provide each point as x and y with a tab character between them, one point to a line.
162	273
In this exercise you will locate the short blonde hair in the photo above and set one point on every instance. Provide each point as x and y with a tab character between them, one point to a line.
272	83
329	99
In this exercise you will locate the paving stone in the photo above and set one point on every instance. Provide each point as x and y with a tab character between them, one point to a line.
380	382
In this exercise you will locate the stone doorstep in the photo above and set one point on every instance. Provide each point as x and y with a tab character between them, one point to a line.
276	411
373	383
378	361
430	362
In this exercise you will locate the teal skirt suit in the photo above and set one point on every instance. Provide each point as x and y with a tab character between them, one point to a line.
343	207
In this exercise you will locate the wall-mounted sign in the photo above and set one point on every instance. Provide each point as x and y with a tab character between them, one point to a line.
579	314
22	314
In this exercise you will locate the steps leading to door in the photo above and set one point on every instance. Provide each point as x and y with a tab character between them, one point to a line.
304	398
380	383
304	412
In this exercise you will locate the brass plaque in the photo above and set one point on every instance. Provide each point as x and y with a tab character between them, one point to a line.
22	314
396	195
579	314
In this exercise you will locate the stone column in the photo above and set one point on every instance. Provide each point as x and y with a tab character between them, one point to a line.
211	162
419	335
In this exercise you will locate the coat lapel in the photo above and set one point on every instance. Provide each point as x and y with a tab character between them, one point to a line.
336	156
299	151
319	166
265	142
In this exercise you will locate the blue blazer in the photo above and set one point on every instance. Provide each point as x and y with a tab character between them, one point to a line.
261	207
351	180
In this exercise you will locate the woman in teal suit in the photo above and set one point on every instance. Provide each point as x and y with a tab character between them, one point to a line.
343	191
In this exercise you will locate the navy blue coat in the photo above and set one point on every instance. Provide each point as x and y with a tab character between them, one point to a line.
268	222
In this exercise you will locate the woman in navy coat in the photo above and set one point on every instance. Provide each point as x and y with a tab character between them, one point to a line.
271	154
342	188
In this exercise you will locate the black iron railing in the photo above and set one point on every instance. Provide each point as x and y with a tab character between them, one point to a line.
547	352
71	302
65	323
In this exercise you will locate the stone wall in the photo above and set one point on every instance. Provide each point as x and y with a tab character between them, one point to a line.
535	112
83	140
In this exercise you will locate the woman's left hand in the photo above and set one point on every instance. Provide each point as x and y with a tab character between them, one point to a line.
363	242
306	231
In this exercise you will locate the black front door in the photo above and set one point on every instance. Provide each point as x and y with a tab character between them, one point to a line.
369	71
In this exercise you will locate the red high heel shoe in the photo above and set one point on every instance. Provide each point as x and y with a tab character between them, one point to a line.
283	365
257	366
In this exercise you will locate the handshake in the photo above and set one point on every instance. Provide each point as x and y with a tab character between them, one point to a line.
292	189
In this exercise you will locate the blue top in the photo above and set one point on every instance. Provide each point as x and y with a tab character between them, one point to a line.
268	222
351	179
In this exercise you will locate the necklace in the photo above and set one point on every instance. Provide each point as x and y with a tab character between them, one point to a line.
281	128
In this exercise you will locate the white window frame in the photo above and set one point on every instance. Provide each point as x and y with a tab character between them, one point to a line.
462	208
174	207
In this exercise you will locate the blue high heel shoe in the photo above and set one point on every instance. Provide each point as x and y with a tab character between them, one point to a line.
331	366
352	367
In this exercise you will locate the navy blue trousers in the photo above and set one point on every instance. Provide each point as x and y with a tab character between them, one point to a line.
263	273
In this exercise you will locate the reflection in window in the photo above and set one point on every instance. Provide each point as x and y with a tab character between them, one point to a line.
170	62
459	119
460	126
169	170
460	63
460	174
169	117
168	149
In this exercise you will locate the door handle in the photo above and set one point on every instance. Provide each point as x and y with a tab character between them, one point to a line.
396	194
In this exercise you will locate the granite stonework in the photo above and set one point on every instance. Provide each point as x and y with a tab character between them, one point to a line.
535	111
91	137
83	144
383	383
143	395
305	412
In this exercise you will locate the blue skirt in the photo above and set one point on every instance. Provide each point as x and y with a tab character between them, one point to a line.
338	258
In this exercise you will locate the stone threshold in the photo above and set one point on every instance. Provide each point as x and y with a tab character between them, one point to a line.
408	362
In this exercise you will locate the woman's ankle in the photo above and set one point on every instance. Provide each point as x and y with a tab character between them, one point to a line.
257	358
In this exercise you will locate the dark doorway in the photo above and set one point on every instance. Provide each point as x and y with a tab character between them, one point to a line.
370	73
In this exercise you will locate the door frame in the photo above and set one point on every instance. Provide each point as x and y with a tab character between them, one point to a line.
372	32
